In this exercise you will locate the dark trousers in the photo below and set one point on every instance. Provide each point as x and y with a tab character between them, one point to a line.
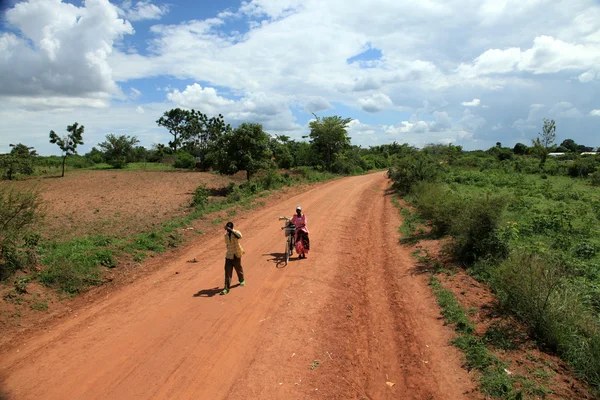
229	266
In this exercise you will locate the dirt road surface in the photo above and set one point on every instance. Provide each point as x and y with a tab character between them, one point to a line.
338	325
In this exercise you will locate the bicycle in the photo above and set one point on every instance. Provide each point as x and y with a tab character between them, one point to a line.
290	234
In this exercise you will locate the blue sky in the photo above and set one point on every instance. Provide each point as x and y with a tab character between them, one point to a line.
469	72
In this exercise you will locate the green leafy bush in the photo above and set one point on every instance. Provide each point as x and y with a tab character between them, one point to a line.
200	197
476	229
184	160
19	212
411	169
536	288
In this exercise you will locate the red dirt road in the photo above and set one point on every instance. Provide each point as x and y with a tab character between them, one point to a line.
338	325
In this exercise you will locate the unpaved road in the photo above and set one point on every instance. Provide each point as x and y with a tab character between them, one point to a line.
338	325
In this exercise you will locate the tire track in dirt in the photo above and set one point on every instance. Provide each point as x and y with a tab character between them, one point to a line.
154	339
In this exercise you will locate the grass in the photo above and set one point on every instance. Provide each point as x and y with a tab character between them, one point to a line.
493	379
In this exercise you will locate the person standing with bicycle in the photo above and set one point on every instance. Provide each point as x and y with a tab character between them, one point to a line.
233	257
302	241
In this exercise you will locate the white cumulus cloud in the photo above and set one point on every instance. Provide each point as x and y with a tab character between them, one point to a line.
375	103
61	51
473	103
142	10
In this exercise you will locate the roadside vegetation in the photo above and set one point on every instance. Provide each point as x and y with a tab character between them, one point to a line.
524	222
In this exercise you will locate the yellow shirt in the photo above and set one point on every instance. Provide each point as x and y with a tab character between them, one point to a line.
233	245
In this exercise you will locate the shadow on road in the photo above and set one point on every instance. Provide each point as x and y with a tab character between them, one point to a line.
279	259
211	292
208	292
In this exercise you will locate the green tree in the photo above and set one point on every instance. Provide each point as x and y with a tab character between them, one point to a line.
328	136
520	148
118	149
176	121
246	148
19	160
95	155
69	142
570	145
280	148
548	134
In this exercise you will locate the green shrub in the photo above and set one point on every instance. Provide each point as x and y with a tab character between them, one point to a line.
436	203
411	169
535	287
19	212
583	167
200	197
185	160
595	177
475	229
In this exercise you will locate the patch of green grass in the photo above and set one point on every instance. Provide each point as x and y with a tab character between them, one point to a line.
493	379
71	266
451	310
39	305
503	336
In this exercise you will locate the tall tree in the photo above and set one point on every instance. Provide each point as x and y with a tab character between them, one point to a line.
246	148
328	136
176	121
118	149
69	142
548	134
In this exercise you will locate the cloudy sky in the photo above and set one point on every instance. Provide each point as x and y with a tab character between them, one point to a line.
470	72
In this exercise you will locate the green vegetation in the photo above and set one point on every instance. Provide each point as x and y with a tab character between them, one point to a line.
19	212
526	224
19	161
68	143
118	150
493	379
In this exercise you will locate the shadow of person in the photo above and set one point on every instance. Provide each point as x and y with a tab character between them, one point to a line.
212	292
208	292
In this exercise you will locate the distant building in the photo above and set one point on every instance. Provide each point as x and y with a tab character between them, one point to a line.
589	153
556	154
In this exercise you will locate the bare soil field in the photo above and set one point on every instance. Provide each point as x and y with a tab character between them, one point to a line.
115	203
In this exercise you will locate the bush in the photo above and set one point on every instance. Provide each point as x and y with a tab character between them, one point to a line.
475	229
409	170
19	211
595	178
437	204
185	160
582	167
200	197
535	287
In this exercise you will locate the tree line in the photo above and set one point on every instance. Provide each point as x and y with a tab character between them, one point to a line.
209	143
203	143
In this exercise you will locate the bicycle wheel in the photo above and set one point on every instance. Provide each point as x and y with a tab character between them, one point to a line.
287	251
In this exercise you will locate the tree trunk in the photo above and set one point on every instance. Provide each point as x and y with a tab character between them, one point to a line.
248	175
63	169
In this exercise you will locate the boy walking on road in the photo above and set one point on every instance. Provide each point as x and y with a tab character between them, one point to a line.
233	258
